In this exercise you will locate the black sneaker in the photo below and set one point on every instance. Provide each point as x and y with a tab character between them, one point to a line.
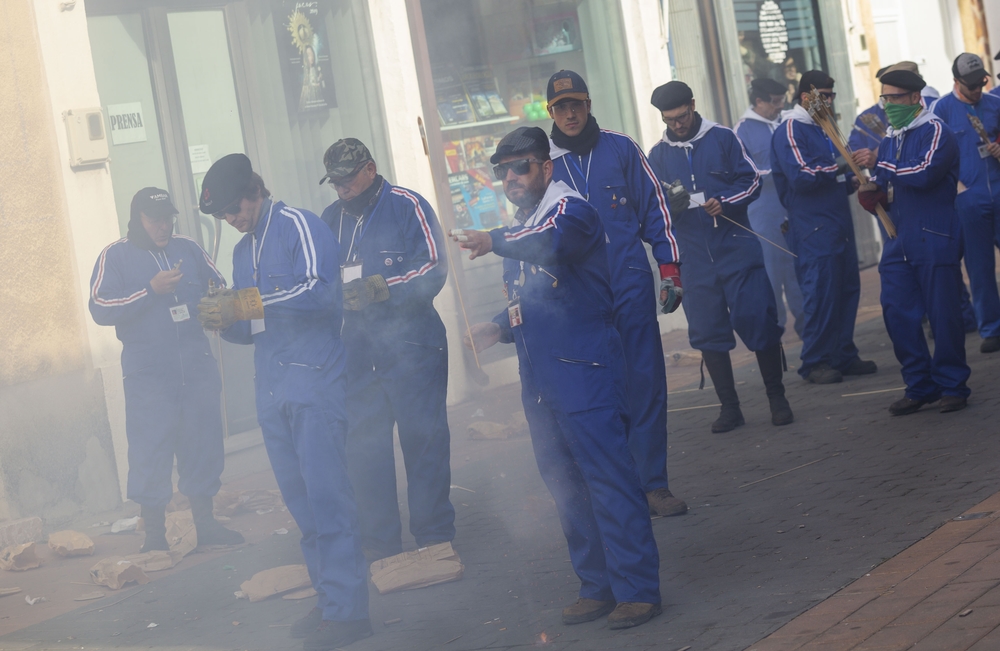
332	635
906	406
781	411
990	345
155	541
824	374
953	403
211	532
307	624
730	417
860	366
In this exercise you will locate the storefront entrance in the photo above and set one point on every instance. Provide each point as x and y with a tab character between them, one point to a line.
185	82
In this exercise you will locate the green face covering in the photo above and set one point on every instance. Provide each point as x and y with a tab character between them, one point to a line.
901	115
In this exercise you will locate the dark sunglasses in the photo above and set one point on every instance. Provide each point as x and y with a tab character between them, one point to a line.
828	96
231	209
975	86
519	167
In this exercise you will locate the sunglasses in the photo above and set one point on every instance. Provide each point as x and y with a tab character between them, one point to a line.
679	120
828	96
890	98
520	167
975	86
231	209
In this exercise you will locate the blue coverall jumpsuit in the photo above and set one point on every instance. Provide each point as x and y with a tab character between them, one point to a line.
979	205
171	379
821	234
616	179
767	216
921	267
291	257
397	370
573	388
726	284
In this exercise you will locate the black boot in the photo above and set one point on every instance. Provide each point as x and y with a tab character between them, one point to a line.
720	368
154	519
210	532
771	369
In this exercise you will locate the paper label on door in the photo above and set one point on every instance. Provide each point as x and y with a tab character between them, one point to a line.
697	199
256	326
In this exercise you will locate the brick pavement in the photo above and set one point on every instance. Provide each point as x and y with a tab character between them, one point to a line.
781	519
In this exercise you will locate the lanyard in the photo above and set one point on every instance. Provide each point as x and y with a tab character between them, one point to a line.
585	176
166	260
368	222
690	156
258	250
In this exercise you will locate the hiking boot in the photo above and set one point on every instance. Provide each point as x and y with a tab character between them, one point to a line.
586	610
906	406
860	366
629	614
824	374
209	530
332	635
720	369
307	624
953	403
771	370
730	417
990	345
662	502
154	519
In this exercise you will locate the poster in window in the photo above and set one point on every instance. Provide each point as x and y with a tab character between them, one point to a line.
304	56
556	32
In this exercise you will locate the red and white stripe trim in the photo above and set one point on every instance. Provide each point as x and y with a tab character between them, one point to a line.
798	155
935	141
96	287
428	237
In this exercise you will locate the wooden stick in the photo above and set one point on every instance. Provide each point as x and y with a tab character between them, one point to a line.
820	112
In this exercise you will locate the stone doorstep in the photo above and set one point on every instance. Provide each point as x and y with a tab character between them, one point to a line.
917	595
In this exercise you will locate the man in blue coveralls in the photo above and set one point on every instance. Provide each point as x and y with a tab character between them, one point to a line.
286	301
767	215
573	382
397	355
727	282
978	204
813	186
609	170
147	286
916	181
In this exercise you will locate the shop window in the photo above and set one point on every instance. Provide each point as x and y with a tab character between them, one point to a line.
779	39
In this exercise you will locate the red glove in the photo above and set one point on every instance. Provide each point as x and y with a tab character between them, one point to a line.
870	199
671	291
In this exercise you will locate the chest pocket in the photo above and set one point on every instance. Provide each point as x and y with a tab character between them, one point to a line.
278	278
614	204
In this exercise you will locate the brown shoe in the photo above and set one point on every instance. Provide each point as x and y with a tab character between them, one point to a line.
953	403
629	614
586	610
662	502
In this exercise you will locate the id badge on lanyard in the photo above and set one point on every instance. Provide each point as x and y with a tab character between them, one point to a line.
180	313
351	271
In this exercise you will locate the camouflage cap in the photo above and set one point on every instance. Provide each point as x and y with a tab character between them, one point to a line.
344	157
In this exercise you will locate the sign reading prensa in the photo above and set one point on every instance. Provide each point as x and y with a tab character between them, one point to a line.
127	123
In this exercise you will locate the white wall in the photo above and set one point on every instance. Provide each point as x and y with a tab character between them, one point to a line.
915	30
65	47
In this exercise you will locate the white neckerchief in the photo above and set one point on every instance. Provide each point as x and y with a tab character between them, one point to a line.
556	191
706	125
797	113
751	114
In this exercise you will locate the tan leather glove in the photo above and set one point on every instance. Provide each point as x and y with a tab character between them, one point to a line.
361	292
227	306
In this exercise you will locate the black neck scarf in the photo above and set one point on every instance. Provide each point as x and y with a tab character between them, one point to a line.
359	204
581	143
695	128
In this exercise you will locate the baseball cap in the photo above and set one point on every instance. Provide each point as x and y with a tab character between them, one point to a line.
566	84
671	95
968	68
154	203
344	157
225	183
814	78
521	140
902	65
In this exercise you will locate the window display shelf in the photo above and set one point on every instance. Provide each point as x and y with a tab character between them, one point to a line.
483	123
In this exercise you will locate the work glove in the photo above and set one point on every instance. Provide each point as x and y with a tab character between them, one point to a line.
225	307
678	197
843	167
361	292
870	196
671	291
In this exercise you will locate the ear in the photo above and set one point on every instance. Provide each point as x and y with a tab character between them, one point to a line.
547	167
549	109
693	108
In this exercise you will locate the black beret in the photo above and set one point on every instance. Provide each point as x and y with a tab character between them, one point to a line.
671	95
522	140
814	78
226	182
766	86
904	79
